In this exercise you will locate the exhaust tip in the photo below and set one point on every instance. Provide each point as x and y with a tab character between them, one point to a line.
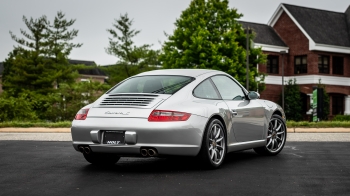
143	152
152	152
81	149
87	150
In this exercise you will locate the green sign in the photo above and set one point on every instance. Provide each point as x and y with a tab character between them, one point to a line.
314	106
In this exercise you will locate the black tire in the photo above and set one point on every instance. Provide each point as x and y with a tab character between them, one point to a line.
101	158
208	147
277	132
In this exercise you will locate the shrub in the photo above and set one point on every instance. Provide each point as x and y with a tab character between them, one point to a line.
16	108
23	124
341	118
292	100
320	124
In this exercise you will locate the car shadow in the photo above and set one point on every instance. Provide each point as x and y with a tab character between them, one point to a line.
170	164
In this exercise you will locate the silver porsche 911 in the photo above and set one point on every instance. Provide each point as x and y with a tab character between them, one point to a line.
186	112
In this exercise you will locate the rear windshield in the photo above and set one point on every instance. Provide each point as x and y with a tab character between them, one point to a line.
152	84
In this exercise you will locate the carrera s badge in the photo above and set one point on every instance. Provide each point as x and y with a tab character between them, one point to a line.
121	113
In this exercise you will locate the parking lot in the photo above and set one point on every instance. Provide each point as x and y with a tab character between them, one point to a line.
54	168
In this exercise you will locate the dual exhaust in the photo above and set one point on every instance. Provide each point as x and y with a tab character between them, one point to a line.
85	149
149	152
145	152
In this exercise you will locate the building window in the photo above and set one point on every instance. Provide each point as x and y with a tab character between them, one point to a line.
338	65
84	80
323	64
300	64
337	104
272	64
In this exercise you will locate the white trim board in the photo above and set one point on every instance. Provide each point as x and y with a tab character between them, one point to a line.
271	48
309	79
328	48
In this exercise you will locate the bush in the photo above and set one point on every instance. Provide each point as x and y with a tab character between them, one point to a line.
341	118
61	105
16	109
292	100
320	124
71	98
23	124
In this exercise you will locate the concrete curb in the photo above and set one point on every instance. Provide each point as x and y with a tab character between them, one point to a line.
318	130
67	130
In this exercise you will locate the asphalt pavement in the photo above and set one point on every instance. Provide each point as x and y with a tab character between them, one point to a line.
55	168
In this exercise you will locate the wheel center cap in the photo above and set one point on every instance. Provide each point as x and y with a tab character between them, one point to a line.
214	144
274	134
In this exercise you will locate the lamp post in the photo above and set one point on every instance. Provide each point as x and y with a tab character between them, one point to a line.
247	31
283	52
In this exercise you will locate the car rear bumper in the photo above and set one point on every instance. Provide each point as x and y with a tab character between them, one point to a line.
168	138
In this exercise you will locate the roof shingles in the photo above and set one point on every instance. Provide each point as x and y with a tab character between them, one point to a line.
264	34
324	27
88	71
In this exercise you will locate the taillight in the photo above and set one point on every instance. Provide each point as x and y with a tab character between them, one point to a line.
164	115
82	114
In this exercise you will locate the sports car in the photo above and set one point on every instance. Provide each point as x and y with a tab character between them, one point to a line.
178	112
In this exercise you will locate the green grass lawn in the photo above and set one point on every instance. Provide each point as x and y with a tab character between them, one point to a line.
62	124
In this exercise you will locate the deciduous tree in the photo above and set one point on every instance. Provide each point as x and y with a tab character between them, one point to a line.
208	36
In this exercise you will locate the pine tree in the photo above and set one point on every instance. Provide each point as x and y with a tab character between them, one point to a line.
36	38
25	71
134	59
40	61
59	37
208	36
59	42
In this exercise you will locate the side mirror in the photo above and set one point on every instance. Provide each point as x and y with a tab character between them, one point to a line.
253	95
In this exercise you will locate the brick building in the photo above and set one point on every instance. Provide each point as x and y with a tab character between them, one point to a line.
315	45
94	74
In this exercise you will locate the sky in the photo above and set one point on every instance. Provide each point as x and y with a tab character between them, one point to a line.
152	17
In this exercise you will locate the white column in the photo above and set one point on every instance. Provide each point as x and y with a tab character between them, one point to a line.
347	105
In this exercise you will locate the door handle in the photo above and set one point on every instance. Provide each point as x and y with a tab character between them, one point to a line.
233	112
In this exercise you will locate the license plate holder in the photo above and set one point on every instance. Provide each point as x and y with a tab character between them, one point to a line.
114	137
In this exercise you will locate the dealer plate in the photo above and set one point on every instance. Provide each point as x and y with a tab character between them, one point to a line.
114	137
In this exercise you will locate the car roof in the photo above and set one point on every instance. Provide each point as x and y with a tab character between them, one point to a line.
181	72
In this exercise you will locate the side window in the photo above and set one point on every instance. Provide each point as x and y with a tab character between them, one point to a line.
206	90
229	89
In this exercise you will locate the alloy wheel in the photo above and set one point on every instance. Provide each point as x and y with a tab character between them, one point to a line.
216	144
275	135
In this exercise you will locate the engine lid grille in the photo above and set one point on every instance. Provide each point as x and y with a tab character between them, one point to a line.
129	100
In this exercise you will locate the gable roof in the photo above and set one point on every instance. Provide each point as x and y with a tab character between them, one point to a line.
264	34
324	27
347	18
95	71
77	62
